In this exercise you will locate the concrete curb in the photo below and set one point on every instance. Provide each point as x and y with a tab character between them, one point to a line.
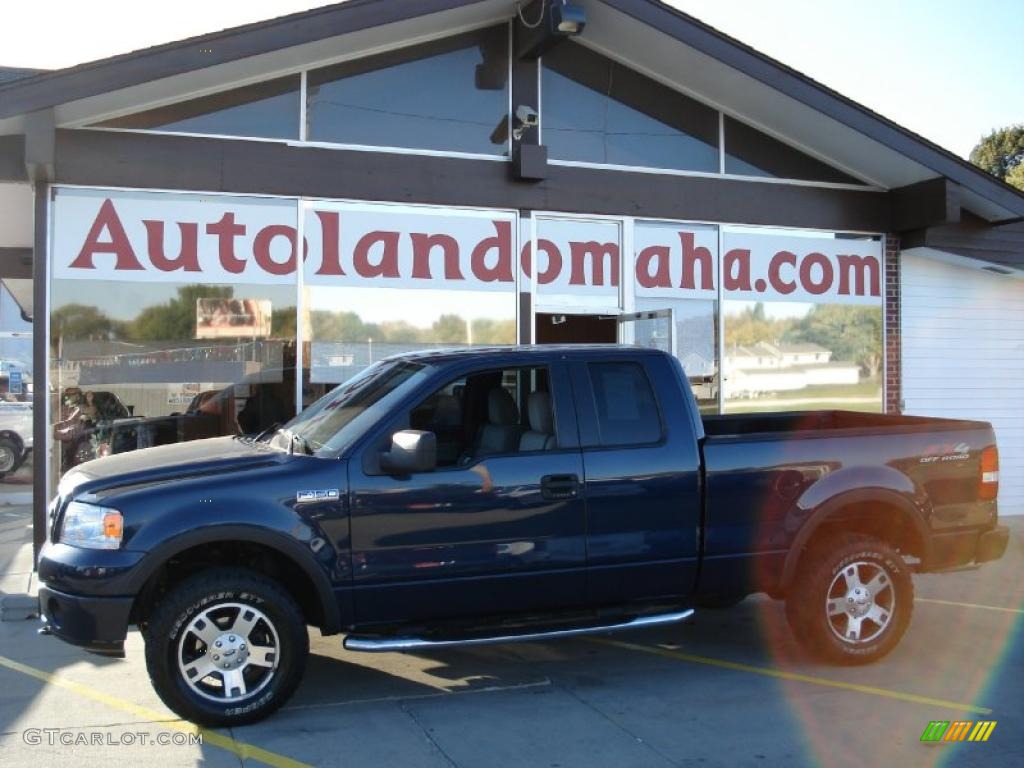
18	608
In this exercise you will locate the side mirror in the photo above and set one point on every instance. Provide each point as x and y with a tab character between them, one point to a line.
411	451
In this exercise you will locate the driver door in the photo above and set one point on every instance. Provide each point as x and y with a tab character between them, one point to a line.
498	527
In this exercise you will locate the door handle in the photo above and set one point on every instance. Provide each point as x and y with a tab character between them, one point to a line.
559	486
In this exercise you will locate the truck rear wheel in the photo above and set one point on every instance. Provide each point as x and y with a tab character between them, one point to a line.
226	647
851	600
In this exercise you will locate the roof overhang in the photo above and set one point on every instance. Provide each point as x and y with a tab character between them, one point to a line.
660	41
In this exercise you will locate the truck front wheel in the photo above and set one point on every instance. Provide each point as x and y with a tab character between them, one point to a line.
226	647
851	600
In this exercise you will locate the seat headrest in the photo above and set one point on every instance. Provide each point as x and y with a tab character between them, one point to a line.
539	410
501	408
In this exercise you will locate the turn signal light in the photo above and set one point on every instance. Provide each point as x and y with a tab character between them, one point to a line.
988	487
113	525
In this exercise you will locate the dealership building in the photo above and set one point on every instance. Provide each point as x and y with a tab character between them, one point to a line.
205	236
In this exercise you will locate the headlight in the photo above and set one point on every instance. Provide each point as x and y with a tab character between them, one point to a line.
90	526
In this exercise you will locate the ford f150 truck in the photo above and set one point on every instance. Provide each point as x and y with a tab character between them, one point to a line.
490	495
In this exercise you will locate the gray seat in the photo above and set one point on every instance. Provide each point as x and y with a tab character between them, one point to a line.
501	432
541	435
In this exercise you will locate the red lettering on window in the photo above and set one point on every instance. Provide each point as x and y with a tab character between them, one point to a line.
187	259
423	244
500	243
387	266
692	255
816	288
658	256
226	231
597	253
858	265
775	272
554	265
261	249
736	270
118	244
330	237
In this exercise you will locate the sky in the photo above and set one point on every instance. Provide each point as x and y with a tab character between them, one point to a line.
947	69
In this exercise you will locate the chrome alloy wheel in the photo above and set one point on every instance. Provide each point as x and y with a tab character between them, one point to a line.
228	652
860	602
7	457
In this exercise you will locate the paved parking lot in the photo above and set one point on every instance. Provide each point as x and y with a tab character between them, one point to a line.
727	688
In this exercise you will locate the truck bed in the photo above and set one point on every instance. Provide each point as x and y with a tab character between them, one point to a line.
788	422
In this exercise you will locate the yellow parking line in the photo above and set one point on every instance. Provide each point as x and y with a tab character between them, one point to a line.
968	605
239	748
794	676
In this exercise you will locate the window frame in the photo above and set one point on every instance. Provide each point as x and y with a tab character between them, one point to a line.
584	380
372	443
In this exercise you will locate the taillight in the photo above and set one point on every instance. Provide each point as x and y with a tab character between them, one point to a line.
988	485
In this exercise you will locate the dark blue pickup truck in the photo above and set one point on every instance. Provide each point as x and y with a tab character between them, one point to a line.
503	494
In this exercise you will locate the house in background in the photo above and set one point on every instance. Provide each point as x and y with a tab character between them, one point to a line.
764	368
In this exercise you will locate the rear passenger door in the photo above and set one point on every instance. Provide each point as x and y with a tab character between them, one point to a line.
498	527
642	479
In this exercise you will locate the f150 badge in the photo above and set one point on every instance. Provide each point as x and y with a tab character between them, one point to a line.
948	452
327	494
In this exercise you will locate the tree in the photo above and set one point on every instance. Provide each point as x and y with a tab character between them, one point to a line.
1000	152
1015	178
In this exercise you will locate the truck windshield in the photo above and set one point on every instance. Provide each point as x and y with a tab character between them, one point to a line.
334	421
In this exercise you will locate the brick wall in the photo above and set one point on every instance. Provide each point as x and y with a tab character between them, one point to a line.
893	390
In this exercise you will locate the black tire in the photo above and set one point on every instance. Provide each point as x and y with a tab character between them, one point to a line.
226	597
10	456
839	621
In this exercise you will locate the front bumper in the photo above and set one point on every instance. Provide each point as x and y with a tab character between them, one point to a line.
86	595
959	548
98	624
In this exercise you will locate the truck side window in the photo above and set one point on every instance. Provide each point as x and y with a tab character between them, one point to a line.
627	412
489	413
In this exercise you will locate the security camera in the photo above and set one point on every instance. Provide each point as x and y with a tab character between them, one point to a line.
526	117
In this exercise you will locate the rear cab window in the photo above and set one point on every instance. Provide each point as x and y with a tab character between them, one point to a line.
626	407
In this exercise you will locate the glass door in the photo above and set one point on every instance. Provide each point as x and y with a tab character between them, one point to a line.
653	329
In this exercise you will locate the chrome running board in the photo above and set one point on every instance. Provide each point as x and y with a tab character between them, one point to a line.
381	644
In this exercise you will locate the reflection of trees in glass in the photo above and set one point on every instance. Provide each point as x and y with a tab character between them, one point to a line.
852	333
82	322
751	326
447	329
175	319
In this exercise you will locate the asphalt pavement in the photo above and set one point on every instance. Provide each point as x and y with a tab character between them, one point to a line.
727	688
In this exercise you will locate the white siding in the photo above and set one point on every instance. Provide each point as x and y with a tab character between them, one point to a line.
963	356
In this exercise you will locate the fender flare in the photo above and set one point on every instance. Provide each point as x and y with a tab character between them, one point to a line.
836	503
288	548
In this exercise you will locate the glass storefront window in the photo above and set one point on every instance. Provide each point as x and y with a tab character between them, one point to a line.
450	94
696	344
748	152
782	356
172	318
399	279
806	334
268	110
137	366
596	110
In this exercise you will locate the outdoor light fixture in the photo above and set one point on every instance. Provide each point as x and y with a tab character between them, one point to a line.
568	19
545	23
